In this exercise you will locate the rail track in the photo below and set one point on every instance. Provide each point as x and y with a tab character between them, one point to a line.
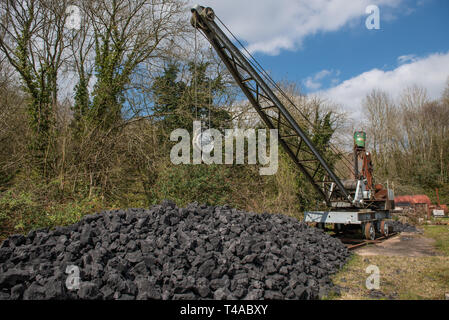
353	243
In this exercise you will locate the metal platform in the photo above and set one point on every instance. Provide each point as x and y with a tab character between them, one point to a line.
345	217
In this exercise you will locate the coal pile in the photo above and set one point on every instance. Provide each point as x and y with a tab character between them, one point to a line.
165	252
403	227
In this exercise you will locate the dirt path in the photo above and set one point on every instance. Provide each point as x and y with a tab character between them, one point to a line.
402	245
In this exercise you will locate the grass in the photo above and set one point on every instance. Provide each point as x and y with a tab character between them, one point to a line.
441	236
404	278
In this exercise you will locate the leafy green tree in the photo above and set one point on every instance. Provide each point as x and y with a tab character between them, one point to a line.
168	94
177	102
202	90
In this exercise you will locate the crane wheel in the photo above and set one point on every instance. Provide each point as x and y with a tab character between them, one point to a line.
369	232
384	228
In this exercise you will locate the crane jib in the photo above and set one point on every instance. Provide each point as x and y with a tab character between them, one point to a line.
235	61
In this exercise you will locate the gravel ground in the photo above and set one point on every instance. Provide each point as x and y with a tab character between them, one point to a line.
166	252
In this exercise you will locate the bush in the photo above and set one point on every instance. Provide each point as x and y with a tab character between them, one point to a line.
189	183
72	212
22	211
19	213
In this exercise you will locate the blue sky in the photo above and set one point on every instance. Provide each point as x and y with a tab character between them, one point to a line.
355	49
324	45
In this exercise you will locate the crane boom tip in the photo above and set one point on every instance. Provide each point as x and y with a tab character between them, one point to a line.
196	8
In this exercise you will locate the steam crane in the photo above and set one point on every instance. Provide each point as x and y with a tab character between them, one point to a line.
350	203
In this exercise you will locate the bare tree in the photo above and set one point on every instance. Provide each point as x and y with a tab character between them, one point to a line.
31	38
382	128
127	34
111	54
410	138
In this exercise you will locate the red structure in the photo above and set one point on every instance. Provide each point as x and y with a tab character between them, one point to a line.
411	200
419	200
439	206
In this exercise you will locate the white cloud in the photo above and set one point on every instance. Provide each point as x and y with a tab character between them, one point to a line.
270	26
407	58
312	84
315	82
322	74
335	81
430	72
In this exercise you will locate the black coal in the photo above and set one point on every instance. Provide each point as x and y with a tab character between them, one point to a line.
165	252
403	227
